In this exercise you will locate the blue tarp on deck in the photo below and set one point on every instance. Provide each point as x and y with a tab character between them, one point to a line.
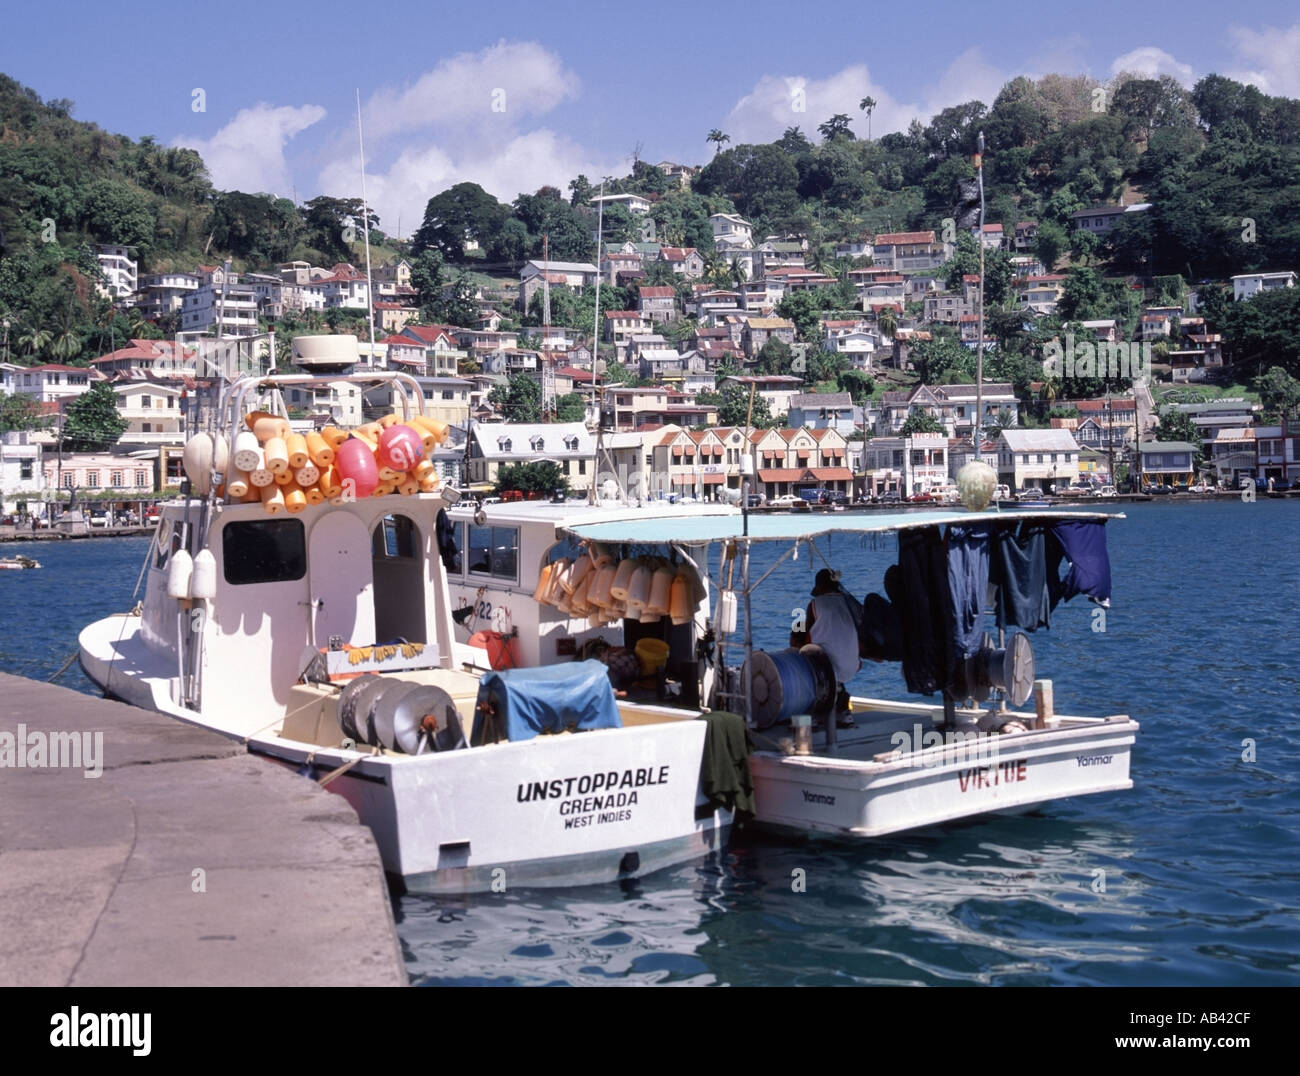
528	702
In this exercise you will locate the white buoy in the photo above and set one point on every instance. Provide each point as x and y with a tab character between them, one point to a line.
203	579
178	574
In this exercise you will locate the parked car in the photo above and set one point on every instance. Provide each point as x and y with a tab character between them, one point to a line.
785	500
890	496
1030	494
921	498
99	517
754	500
1106	491
1002	493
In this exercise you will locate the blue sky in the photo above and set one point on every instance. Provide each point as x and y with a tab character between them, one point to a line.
515	95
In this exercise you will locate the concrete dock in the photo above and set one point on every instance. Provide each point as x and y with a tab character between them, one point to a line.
187	862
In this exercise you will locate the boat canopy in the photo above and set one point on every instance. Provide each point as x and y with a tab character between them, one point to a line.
765	527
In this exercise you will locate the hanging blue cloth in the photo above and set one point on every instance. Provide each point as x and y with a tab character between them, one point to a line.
923	578
1019	568
968	584
1083	543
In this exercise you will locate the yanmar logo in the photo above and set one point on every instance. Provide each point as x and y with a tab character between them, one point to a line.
817	797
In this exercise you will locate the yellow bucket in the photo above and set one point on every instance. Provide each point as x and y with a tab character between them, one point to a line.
653	654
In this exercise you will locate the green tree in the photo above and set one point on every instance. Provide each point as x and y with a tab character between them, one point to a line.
1177	425
541	479
92	422
570	408
519	399
1280	392
332	225
1051	244
837	127
19	412
463	212
857	384
1081	295
1084	245
921	421
717	138
774	356
734	408
868	105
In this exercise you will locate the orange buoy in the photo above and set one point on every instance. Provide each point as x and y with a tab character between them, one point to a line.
659	592
679	604
430	484
295	500
282	478
277	454
638	590
320	450
543	583
296	443
314	495
622	577
574	577
261	475
423	470
237	483
333	436
408	487
273	498
389	419
329	482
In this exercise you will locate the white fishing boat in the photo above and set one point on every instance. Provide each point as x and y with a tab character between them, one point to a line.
907	763
315	624
19	563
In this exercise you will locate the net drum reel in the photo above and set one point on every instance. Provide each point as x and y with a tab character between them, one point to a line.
1009	669
413	719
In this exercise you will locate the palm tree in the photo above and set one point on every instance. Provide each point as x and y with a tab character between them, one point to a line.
717	137
34	340
67	342
886	322
868	105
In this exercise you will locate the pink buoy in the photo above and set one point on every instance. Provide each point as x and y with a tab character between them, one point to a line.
354	461
400	448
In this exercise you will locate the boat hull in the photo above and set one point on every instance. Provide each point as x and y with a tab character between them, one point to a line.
866	799
564	810
569	809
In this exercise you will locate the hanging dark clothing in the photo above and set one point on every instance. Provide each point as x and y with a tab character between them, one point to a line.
445	533
1019	568
923	570
968	585
1083	543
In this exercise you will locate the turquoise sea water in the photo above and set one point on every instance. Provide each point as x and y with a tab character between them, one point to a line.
1201	858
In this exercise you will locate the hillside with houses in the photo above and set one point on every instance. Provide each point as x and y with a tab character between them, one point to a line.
815	310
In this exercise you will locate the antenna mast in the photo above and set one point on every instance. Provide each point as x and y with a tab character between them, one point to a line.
365	224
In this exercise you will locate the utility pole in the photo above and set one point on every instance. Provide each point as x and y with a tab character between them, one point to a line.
979	346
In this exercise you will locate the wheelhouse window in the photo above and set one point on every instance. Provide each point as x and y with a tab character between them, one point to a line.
394	537
264	551
493	551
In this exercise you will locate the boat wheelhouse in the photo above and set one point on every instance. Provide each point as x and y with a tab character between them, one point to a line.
322	635
907	763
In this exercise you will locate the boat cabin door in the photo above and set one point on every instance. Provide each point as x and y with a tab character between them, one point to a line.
342	581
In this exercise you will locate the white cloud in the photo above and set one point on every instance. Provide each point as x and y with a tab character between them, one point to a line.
1268	59
777	102
516	79
1151	62
247	154
504	168
443	129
